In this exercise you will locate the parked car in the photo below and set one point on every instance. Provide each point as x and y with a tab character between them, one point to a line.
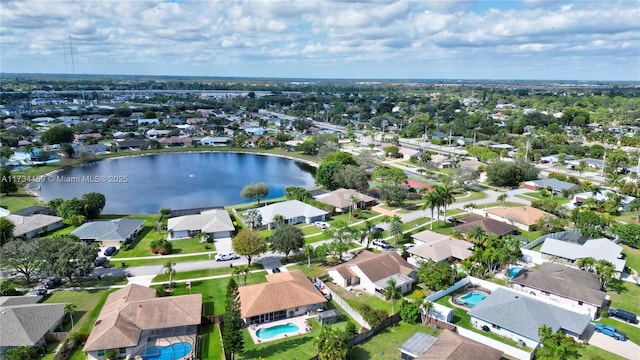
226	256
275	270
624	315
611	331
321	224
382	244
52	282
377	229
38	292
110	251
347	257
100	261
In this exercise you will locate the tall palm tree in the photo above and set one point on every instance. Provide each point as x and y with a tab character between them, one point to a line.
430	202
308	250
354	201
502	198
428	307
446	197
391	292
395	228
70	308
168	268
586	263
476	234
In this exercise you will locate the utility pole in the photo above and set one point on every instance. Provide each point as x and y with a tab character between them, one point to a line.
73	66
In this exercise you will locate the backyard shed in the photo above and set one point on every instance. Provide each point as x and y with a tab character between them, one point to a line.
330	317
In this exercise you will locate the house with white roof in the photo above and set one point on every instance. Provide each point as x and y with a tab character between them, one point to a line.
556	185
293	211
30	226
216	223
571	252
602	196
518	317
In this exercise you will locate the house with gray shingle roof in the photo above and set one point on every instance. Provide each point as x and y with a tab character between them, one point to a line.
28	323
570	252
30	226
556	185
518	317
216	223
294	212
578	289
109	233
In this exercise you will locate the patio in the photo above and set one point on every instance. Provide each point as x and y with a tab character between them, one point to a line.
299	321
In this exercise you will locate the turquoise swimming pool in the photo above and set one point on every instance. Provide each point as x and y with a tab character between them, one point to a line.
272	331
171	352
514	271
473	298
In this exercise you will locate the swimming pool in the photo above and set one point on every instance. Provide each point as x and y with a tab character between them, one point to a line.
514	271
272	331
171	352
473	298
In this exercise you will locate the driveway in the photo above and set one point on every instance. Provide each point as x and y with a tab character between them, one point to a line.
626	349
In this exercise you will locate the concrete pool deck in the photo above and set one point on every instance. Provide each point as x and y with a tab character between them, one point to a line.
300	321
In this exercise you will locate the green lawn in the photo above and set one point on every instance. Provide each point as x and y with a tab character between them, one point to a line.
88	305
594	353
355	301
200	273
295	347
624	295
18	200
315	270
160	260
471	196
632	257
386	343
561	200
211	342
214	291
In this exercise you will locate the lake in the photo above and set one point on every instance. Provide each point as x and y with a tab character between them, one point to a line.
145	184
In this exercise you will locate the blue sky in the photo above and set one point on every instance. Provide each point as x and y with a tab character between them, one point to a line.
380	39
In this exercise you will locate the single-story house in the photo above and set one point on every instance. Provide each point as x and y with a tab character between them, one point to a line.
175	141
26	322
32	210
590	163
345	199
83	137
214	141
602	196
371	272
441	249
153	121
490	226
518	317
523	217
569	252
216	223
30	226
133	319
293	211
133	144
109	233
284	295
447	346
556	185
551	282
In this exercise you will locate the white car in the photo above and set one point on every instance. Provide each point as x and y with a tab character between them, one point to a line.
227	256
321	224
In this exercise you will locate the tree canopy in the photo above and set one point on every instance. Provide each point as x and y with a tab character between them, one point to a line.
286	239
255	191
249	243
503	173
58	134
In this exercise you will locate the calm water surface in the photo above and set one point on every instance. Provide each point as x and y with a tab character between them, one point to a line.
145	184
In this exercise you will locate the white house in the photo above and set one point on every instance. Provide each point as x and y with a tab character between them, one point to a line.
216	223
293	211
371	272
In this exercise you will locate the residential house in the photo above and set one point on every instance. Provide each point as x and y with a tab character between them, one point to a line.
589	162
91	149
490	226
284	295
345	199
109	233
559	250
575	288
447	346
133	144
134	319
80	138
518	317
214	141
196	120
215	223
31	226
154	134
371	272
604	195
556	185
142	121
293	211
523	217
438	247
32	210
25	322
175	141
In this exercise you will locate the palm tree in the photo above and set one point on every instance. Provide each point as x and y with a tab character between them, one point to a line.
586	263
168	268
428	307
469	207
367	232
308	250
446	197
476	234
392	293
635	206
332	344
70	308
457	234
605	270
395	228
581	166
430	201
354	201
502	198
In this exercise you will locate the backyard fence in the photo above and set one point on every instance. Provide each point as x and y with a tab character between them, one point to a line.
442	293
391	320
507	349
351	311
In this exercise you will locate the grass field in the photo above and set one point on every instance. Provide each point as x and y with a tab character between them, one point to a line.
19	200
88	305
211	342
593	353
386	343
632	257
358	298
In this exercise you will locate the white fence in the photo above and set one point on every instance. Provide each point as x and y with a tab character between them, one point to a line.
437	295
507	349
346	307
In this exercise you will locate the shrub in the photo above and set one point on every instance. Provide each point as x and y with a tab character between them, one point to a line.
373	316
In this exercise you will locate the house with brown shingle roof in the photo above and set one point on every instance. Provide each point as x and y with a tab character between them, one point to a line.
447	346
578	289
490	226
133	319
344	199
371	272
284	295
438	247
523	217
